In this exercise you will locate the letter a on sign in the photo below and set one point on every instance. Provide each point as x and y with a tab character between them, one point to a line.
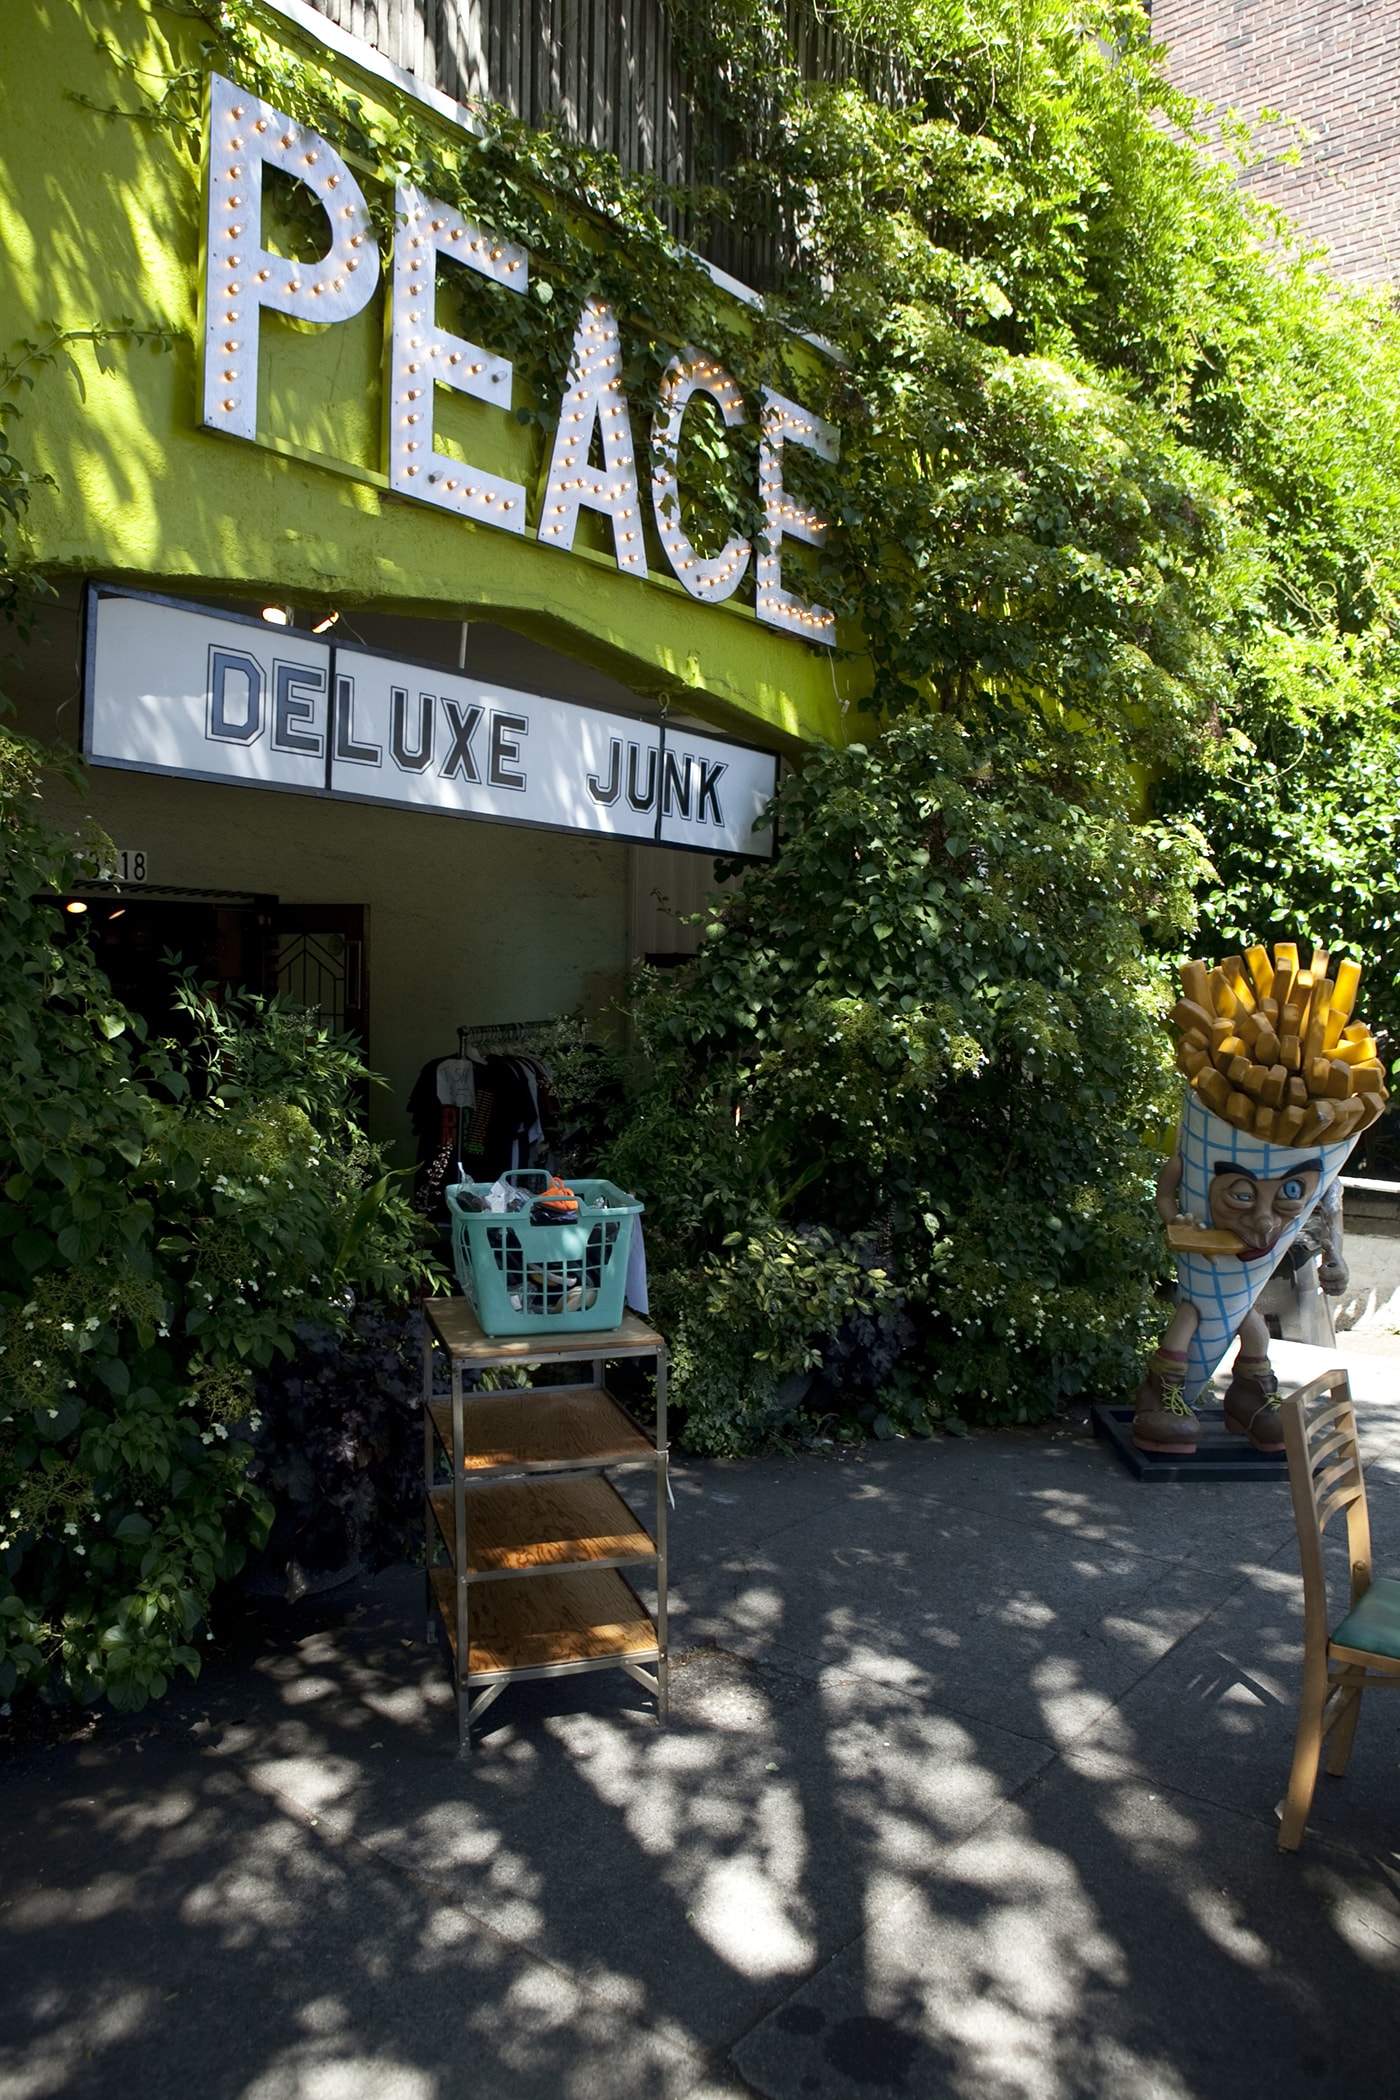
240	276
595	403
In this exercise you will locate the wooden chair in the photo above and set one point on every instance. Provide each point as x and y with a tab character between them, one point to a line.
1324	1472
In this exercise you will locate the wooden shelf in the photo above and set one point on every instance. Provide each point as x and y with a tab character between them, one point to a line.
458	1329
556	1428
517	1526
547	1539
548	1622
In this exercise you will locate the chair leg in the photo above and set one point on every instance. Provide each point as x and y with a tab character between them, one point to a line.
1344	1730
1307	1751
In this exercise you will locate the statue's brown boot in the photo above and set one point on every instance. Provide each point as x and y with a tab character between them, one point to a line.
1252	1404
1162	1421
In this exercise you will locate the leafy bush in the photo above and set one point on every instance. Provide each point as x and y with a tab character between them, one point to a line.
1303	819
172	1216
931	1013
337	1445
751	1317
1112	440
1117	459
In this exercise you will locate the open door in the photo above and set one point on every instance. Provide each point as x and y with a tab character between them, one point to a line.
141	940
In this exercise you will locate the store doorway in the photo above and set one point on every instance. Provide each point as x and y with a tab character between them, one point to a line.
144	942
228	941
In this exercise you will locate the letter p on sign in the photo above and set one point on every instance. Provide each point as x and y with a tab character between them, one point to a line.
240	276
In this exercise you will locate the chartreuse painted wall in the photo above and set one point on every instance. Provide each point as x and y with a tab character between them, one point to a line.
102	220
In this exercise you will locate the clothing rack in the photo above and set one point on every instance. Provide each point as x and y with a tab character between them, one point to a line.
500	1035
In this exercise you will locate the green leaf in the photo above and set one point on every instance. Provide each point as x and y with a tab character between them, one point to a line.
34	1250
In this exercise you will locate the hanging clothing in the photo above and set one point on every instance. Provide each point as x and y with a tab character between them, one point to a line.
456	1082
484	1114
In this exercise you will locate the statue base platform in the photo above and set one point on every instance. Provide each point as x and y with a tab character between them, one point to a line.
1220	1455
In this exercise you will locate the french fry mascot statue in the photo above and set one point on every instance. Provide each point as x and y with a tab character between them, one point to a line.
1280	1083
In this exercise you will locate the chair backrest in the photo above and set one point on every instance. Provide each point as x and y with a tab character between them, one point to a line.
1324	1473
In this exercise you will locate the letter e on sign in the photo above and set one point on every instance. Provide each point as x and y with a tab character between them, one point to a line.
423	356
785	423
506	731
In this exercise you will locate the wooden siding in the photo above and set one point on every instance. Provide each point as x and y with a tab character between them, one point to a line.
608	70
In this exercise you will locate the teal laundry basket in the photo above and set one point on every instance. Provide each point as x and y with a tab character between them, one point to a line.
543	1279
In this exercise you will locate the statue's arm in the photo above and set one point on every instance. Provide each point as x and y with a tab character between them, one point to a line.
1168	1185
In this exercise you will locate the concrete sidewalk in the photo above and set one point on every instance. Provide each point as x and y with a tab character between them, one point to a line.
969	1790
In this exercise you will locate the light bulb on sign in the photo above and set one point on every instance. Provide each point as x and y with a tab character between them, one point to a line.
611	488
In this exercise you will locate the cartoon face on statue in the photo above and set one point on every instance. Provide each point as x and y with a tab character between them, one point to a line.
1260	1209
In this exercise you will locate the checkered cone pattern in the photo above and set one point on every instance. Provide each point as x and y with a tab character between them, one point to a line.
1222	1290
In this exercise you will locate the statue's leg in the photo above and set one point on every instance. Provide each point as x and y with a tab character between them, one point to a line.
1332	1271
1162	1421
1252	1397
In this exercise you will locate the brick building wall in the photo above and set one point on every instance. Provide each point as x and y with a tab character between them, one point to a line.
1334	65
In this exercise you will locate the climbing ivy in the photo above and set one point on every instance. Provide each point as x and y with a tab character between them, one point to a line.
1119	500
1042	265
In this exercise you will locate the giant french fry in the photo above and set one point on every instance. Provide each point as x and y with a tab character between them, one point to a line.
1280	1083
1263	1053
1224	1286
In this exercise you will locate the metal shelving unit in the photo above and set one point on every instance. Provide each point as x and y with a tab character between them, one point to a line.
538	1543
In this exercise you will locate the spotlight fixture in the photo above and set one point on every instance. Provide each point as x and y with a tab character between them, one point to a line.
277	615
322	626
75	907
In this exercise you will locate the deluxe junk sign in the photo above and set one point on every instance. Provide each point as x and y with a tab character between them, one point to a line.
174	688
593	464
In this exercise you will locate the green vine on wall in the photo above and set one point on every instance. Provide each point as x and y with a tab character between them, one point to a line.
1119	498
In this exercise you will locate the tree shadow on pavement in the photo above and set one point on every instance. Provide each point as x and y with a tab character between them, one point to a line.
968	1790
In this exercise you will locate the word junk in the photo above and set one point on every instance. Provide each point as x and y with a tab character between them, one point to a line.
242	278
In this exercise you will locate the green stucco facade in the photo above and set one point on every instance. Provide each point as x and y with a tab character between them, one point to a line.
102	222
